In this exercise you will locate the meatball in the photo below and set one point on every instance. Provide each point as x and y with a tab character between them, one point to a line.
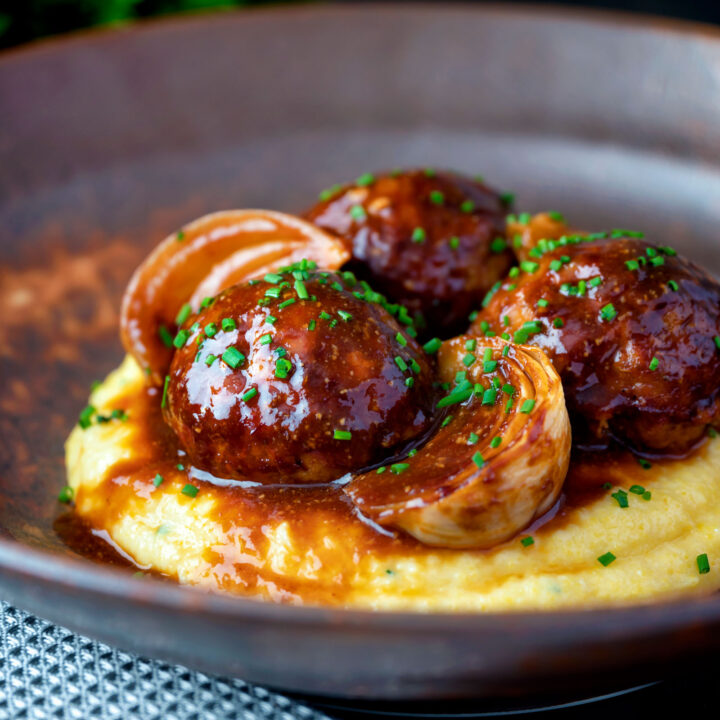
633	330
297	378
432	241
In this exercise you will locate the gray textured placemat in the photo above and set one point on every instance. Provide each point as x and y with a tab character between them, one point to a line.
47	672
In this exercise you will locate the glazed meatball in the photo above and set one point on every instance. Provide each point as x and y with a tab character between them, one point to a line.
297	378
633	330
432	241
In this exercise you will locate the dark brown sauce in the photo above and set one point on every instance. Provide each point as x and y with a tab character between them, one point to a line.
314	512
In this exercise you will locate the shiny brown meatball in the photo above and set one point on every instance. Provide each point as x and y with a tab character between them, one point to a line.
432	241
633	330
296	379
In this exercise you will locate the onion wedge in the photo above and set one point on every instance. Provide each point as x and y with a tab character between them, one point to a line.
205	257
464	488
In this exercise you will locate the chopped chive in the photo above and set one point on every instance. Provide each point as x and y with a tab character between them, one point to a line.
446	421
324	316
165	336
429	172
183	314
409	382
703	564
398	468
455	397
468	360
470	345
357	212
716	340
85	419
418	235
311	325
228	324
507	198
344	315
495	442
401	363
490	366
643	463
432	346
437	198
282	368
365	179
467	206
637	489
542	302
266	339
558	322
508	389
529	266
286	303
273	292
65	495
250	394
555	265
472	439
211	329
163	402
207	302
527	406
233	357
301	290
158	480
647	495
654	363
673	285
620	496
489	396
189	490
401	339
271	319
272	278
179	236
342	435
210	359
608	312
478	459
454	242
606	559
555	215
414	365
527	541
498	245
329	192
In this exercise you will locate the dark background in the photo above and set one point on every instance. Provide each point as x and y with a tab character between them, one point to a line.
25	20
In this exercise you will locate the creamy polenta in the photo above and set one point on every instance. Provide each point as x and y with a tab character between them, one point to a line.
308	545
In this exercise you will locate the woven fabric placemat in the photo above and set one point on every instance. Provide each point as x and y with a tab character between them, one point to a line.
48	672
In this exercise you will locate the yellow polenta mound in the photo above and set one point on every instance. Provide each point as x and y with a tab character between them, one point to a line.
327	555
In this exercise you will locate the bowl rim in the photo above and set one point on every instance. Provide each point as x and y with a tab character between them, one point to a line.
22	560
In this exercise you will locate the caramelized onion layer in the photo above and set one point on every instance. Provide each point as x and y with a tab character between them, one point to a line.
205	257
464	488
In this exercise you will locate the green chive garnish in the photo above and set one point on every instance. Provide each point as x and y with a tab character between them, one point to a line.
163	402
703	564
654	363
158	480
437	198
286	303
282	368
418	235
608	312
189	490
478	459
606	559
342	435
357	212
249	395
527	406
233	357
165	336
401	363
184	314
527	541
432	346
473	438
228	324
65	495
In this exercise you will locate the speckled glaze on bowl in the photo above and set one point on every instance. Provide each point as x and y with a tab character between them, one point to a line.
110	140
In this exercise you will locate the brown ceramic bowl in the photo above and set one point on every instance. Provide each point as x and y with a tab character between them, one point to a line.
110	140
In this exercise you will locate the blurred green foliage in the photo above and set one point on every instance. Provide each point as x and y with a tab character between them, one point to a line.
23	20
